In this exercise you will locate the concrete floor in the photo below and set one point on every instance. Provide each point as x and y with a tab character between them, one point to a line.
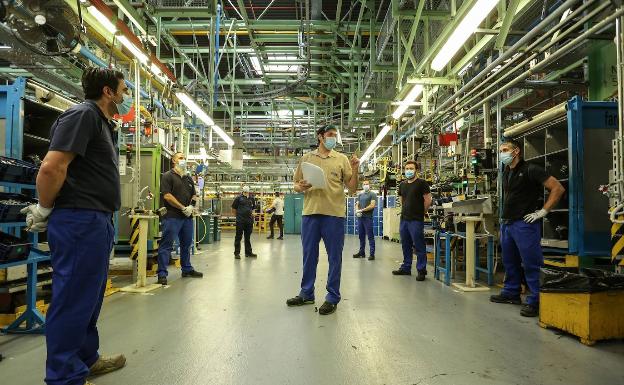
233	327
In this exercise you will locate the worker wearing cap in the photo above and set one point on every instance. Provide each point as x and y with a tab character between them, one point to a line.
243	207
323	217
521	225
78	188
364	207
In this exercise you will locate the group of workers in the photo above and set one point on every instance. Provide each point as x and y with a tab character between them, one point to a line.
79	190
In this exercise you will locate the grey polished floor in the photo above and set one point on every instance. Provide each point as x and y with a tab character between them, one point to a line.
232	327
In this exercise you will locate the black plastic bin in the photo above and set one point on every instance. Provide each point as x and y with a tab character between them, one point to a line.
589	280
10	212
12	248
17	171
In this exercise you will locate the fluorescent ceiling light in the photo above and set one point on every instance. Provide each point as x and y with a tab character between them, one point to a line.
464	30
195	108
365	104
405	103
99	16
138	54
367	111
375	143
223	135
268	67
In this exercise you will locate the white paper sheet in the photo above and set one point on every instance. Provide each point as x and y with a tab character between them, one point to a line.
313	174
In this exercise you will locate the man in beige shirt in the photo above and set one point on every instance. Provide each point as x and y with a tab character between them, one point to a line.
323	217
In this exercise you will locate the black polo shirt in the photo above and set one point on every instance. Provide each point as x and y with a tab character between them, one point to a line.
413	201
244	207
523	190
181	187
92	180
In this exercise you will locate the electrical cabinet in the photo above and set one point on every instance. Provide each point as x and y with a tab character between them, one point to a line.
293	211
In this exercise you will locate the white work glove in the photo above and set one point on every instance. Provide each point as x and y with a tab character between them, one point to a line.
36	218
533	217
188	211
358	213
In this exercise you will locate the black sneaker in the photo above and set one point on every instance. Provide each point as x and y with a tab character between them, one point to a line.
192	274
251	255
281	238
162	281
327	308
270	237
237	256
401	272
529	310
500	298
371	258
421	275
299	301
358	255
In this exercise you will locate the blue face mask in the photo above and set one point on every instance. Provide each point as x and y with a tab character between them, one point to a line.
124	107
409	174
506	158
330	143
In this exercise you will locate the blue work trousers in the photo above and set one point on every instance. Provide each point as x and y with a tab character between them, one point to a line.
331	230
80	245
522	250
172	228
365	229
413	237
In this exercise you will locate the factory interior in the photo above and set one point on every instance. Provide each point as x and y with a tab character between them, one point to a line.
339	142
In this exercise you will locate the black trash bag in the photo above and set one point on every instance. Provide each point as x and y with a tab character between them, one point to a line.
588	281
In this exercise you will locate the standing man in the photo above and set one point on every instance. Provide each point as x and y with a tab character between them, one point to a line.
415	202
364	207
521	225
278	215
78	187
243	207
323	217
179	196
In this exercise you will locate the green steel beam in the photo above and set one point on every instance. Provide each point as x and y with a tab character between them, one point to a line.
429	14
124	5
271	25
409	51
357	26
433	81
504	29
278	49
180	12
410	42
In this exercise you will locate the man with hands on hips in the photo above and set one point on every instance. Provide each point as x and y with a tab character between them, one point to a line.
521	225
323	217
179	196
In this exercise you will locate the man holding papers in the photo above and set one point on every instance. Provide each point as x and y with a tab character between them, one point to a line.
328	172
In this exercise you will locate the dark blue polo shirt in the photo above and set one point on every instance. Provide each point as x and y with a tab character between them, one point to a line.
92	180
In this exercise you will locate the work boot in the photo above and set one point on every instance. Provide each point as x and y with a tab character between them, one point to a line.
327	308
162	281
299	301
371	258
401	272
89	383
107	364
421	275
529	310
251	255
192	274
270	236
500	298
237	255
358	255
281	238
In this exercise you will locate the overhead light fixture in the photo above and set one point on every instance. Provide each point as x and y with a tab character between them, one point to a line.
223	135
195	108
102	19
365	104
367	111
462	32
138	54
369	151
409	99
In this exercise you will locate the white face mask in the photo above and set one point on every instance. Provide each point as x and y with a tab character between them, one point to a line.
246	189
181	166
366	187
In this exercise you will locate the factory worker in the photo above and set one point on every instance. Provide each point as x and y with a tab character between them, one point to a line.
521	225
243	207
364	207
415	199
323	217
